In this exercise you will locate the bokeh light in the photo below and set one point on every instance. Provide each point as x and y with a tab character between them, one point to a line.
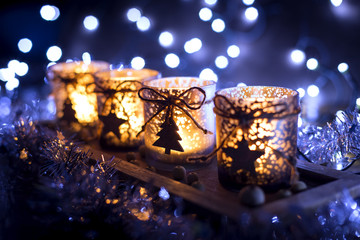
313	90
233	51
49	12
193	45
54	53
91	23
19	68
312	64
336	3
6	74
86	57
143	24
248	2
221	62
172	60
137	63
205	14
25	45
301	92
11	84
166	39
208	74
343	67
251	14
297	56
218	25
5	106
133	14
210	2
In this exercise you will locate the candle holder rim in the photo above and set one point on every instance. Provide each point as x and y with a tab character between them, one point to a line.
145	77
57	67
223	92
211	82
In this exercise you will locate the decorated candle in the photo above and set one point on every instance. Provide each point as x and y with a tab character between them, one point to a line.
179	121
120	110
256	136
72	89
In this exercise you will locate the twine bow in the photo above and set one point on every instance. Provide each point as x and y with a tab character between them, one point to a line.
169	102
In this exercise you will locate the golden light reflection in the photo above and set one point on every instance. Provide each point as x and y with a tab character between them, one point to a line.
258	152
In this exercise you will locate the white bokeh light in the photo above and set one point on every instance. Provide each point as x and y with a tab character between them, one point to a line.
86	57
205	14
25	45
233	51
137	63
172	60
193	45
301	92
312	64
143	24
343	67
49	12
313	90
358	102
19	68
251	14
297	56
208	74
248	2
6	74
210	2
166	39
241	84
218	25
54	53
133	14
336	3
91	23
12	84
221	62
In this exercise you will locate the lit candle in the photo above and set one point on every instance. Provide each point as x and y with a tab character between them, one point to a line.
256	136
120	109
72	89
179	120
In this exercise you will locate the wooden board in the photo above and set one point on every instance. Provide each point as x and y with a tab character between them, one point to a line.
324	185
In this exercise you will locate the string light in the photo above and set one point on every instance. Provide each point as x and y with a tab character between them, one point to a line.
218	25
313	90
301	92
297	56
312	64
208	74
251	14
137	63
91	23
210	2
172	60
205	14
166	39
193	45
221	62
54	53
233	51
133	14
86	57
143	24
343	67
49	12
248	2
25	45
336	3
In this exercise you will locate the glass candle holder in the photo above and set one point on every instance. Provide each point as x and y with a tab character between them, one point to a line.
120	110
72	89
179	121
256	136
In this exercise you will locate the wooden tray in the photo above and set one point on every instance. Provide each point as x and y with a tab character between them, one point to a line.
324	185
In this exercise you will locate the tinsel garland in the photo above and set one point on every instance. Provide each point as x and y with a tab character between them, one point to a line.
336	145
51	189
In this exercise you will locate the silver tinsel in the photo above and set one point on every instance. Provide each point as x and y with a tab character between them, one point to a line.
336	145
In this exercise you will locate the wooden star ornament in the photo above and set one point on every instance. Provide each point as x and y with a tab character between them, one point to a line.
111	123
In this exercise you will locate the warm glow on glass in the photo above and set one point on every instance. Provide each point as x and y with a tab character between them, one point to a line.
185	134
256	147
119	107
